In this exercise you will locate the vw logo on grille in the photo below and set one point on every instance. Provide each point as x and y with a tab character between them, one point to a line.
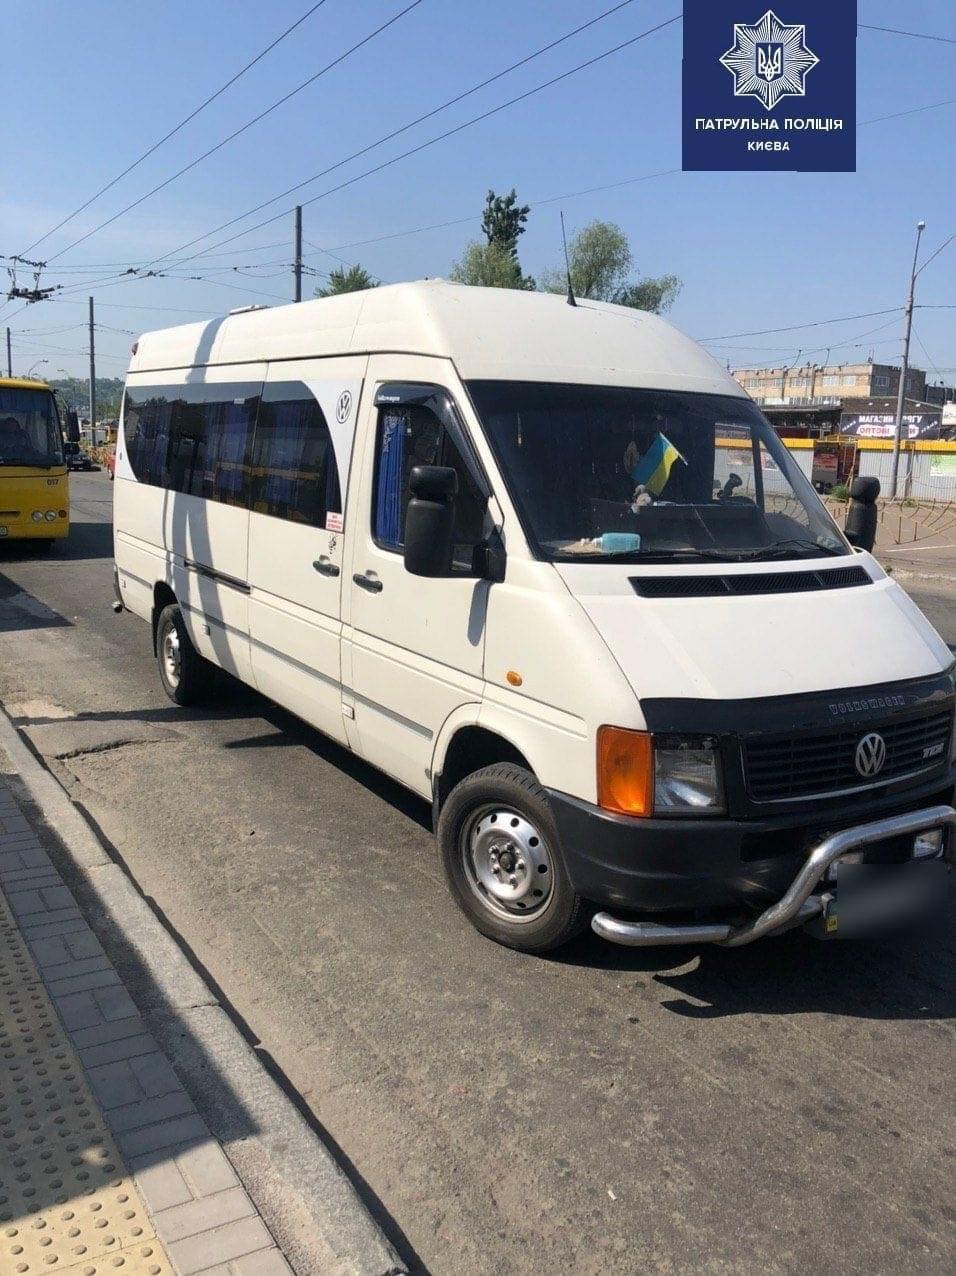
870	755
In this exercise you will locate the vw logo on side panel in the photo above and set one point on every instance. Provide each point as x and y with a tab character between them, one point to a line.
870	755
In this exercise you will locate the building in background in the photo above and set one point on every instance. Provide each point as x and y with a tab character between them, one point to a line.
825	385
818	400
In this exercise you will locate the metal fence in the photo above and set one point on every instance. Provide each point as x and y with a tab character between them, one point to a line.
923	476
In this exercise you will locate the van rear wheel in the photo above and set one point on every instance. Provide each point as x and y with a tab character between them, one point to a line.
184	673
499	847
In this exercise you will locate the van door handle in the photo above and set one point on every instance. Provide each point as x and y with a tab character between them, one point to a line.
371	583
325	567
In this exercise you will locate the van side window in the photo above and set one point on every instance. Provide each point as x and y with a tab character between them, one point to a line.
410	435
193	439
293	462
147	414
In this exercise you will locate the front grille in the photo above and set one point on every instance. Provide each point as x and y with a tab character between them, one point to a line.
779	768
9	513
748	583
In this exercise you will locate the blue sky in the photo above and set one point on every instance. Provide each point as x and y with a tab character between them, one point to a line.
90	86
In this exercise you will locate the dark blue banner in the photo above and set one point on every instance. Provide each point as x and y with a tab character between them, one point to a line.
770	88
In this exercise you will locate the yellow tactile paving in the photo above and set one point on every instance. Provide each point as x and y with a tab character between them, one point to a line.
66	1200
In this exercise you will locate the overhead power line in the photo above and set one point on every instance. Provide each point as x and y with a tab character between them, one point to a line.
931	360
796	327
855	340
123	305
37	345
404	128
181	125
913	110
452	132
462	221
236	133
916	35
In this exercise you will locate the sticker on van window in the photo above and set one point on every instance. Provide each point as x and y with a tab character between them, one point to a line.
334	522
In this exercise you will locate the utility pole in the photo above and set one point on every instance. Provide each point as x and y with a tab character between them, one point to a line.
901	396
297	250
9	356
92	379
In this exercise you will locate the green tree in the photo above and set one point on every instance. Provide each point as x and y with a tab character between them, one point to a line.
504	220
489	266
601	262
347	279
656	295
495	264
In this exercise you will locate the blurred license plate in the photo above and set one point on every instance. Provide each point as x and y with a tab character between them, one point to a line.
871	899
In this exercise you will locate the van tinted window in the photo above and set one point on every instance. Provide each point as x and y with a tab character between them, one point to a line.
295	475
410	435
194	439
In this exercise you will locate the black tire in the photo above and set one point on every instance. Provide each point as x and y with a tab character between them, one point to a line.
468	836
194	673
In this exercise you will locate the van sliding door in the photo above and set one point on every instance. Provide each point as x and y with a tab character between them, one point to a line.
300	469
202	461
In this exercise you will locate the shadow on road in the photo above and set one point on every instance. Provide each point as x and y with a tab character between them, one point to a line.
86	540
291	731
20	610
886	979
232	700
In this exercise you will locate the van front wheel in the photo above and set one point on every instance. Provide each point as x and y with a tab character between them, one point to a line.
182	670
499	845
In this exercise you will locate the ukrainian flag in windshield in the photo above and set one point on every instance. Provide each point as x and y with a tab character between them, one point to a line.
653	469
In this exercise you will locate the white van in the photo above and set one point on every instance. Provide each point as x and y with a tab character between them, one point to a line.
548	566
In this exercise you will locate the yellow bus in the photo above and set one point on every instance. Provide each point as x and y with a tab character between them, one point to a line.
34	484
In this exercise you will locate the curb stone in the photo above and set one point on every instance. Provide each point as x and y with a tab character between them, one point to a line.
306	1199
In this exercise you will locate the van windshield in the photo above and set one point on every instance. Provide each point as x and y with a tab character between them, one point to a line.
605	473
29	428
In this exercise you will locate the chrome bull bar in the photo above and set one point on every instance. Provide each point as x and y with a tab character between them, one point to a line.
799	903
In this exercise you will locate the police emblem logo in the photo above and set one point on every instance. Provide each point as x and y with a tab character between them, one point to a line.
769	60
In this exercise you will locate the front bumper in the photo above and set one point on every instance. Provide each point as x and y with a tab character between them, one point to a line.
27	530
800	903
712	864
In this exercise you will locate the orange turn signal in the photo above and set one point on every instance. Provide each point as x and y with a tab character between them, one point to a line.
625	771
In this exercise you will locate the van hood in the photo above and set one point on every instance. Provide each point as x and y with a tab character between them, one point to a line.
742	647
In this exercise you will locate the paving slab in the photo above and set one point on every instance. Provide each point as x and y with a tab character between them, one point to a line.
105	1161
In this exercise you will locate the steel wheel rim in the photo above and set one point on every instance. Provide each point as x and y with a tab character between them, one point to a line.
172	656
507	863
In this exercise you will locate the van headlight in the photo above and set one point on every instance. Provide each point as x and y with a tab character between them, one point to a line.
687	774
643	774
37	516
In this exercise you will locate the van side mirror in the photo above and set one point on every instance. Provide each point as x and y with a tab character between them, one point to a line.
430	520
489	560
72	426
860	529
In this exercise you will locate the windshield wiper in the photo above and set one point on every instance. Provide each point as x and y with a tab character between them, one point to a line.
654	556
785	548
685	554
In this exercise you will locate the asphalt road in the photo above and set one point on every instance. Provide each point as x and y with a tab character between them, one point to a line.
780	1107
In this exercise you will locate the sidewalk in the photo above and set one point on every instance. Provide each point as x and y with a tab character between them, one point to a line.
921	550
107	1164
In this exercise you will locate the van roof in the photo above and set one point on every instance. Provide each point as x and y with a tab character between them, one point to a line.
494	333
